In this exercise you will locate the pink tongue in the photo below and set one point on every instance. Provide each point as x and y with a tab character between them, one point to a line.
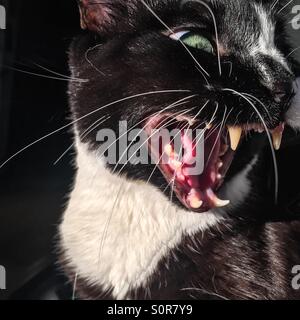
192	187
207	178
195	188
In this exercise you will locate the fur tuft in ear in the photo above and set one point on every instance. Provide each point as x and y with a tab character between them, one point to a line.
101	16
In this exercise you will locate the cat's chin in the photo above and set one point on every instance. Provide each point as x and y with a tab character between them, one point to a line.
198	184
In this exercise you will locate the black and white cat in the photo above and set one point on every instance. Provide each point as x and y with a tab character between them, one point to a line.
130	231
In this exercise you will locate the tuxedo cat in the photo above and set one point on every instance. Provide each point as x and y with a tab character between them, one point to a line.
144	231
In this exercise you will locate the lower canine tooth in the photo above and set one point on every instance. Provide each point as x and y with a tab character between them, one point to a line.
235	134
195	203
221	203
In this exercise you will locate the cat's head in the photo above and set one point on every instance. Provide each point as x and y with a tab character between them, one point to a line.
219	66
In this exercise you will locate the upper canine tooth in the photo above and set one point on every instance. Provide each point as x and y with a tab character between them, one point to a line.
277	138
221	203
235	134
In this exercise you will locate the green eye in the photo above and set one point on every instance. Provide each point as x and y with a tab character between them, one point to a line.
194	40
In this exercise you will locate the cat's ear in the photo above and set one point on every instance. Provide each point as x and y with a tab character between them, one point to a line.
102	16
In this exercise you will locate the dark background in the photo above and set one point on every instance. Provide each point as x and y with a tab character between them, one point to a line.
32	189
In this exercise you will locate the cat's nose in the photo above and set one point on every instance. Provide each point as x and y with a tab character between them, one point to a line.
283	91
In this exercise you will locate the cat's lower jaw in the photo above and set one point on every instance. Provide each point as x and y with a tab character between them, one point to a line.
115	232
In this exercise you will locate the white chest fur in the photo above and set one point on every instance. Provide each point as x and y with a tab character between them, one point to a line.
115	232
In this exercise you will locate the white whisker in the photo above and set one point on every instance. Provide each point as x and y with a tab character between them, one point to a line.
215	26
286	5
276	176
89	61
60	74
292	52
183	44
91	128
42	75
144	143
85	116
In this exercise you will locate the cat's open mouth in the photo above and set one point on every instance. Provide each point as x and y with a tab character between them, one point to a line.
196	170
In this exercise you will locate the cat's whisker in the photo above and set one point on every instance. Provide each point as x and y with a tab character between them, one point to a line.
60	74
218	135
109	220
197	139
224	120
200	136
42	75
84	117
202	71
274	4
215	26
90	129
194	118
237	117
89	61
231	68
292	52
181	149
157	114
276	175
173	105
144	143
206	292
102	242
286	5
74	287
259	101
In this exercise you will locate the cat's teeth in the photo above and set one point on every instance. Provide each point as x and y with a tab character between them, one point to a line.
194	199
221	203
195	203
216	201
277	138
176	164
168	150
235	134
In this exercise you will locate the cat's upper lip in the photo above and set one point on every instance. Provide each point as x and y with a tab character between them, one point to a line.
197	192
